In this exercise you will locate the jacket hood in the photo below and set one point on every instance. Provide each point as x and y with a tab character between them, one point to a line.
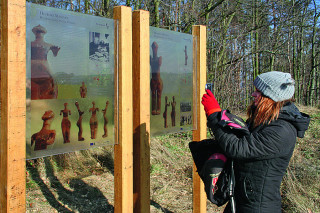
299	120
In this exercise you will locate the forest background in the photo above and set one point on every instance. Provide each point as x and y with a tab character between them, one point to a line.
244	38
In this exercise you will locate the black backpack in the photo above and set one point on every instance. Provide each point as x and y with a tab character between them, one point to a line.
214	169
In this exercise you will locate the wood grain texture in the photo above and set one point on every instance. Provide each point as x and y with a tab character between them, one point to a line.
13	107
141	111
123	150
200	76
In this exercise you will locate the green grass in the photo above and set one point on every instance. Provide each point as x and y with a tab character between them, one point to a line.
68	91
156	169
31	184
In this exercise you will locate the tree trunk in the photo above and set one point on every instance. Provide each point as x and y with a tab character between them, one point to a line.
156	13
86	6
312	78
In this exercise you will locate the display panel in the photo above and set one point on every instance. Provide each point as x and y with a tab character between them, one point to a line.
171	67
70	81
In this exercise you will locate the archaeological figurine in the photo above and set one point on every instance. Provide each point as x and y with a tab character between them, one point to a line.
104	111
83	90
156	81
79	122
173	111
45	136
93	121
65	124
43	85
165	112
185	56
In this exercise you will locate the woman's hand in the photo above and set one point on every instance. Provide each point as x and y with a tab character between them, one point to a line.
210	103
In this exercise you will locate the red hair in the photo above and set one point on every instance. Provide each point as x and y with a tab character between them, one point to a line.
266	111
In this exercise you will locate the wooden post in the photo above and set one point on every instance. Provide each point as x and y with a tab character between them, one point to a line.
200	76
123	160
141	111
13	107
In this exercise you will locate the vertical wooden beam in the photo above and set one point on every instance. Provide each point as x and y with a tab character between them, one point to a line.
13	106
141	111
200	76
123	160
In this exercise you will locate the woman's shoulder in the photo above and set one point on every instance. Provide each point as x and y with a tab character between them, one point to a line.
278	130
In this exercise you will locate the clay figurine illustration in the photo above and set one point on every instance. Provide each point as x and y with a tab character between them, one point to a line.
79	122
45	136
83	90
185	56
93	121
173	111
165	112
65	124
156	81
43	85
104	111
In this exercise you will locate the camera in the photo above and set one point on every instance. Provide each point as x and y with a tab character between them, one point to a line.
209	86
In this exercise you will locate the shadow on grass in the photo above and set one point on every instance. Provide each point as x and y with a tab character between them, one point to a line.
106	160
157	206
81	197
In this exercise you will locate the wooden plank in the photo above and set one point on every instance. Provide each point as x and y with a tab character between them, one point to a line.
200	77
13	106
123	160
141	111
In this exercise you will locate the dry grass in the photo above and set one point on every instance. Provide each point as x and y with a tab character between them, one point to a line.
301	186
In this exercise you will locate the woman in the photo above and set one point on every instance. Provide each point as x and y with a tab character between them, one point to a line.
262	156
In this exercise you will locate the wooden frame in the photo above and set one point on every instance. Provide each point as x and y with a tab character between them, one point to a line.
123	158
141	111
13	107
200	74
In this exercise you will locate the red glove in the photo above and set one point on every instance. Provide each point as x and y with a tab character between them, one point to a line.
210	103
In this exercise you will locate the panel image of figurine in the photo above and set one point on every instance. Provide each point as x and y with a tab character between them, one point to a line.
45	136
79	122
65	124
165	117
185	56
173	111
83	90
156	81
104	111
93	121
43	85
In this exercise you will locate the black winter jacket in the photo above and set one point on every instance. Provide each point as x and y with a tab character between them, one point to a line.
261	158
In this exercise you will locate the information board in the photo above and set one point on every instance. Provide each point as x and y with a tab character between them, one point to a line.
171	67
70	81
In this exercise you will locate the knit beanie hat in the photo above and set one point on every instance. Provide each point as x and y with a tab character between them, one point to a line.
278	86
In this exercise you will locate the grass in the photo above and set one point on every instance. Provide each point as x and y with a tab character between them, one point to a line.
301	187
82	181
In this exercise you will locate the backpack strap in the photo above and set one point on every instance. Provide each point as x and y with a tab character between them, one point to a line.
231	189
233	122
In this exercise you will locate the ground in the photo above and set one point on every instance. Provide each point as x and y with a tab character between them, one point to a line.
62	184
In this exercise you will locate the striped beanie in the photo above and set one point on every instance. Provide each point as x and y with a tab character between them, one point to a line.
278	86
